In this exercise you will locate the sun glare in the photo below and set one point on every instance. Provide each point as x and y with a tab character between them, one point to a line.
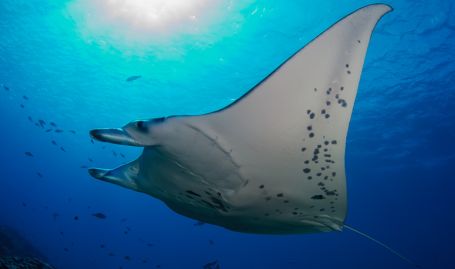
153	15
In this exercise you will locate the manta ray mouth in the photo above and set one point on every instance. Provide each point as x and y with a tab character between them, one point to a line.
114	136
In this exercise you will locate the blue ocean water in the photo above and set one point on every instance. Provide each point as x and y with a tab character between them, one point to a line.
63	62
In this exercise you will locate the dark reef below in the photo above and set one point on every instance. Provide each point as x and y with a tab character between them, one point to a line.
16	252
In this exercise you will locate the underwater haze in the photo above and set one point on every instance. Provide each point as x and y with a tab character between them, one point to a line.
70	66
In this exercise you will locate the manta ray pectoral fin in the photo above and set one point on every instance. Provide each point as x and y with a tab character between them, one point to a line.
114	135
288	133
124	175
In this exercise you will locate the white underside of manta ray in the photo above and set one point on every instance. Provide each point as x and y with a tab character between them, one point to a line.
273	161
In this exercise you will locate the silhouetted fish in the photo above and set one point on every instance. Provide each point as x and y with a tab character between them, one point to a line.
41	123
48	130
22	106
99	215
76	218
62	149
39	174
72	131
102	246
91	141
84	166
133	78
199	223
128	258
58	130
114	153
121	155
111	254
28	153
25	97
30	119
6	88
53	124
55	216
66	249
54	142
211	242
210	265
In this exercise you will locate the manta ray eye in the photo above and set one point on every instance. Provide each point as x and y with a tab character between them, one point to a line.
141	126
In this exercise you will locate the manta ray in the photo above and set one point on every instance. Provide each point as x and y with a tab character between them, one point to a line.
273	161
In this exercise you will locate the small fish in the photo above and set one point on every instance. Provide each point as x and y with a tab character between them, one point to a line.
72	131
211	242
55	216
114	153
66	249
99	215
102	246
24	204
42	123
150	245
84	166
53	124
62	149
111	254
37	125
210	265
28	153
133	78
58	130
90	160
54	142
61	233
22	106
6	88
48	130
39	175
122	155
30	119
76	218
25	97
128	258
199	223
91	141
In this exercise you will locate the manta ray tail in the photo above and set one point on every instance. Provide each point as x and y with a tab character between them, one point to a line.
124	175
396	253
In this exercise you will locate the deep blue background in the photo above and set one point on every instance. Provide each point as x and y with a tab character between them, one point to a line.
400	151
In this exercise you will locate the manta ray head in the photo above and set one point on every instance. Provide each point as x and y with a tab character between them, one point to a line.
139	133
